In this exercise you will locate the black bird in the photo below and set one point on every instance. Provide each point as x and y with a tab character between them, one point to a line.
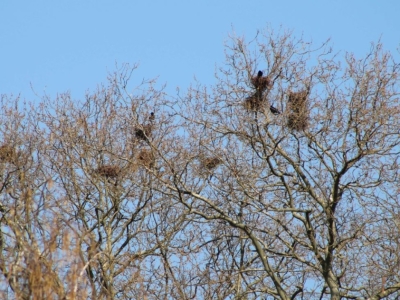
259	74
274	110
152	116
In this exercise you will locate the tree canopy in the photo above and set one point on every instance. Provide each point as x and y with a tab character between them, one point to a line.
280	181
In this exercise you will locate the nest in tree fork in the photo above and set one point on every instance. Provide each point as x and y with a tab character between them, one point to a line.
299	113
146	158
108	171
211	163
297	121
298	100
7	153
143	132
261	83
254	102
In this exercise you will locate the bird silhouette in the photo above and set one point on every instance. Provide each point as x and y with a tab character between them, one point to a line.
274	110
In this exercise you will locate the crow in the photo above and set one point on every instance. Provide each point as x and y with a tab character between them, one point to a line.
274	110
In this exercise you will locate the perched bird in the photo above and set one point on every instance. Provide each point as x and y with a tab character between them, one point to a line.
274	110
259	74
152	116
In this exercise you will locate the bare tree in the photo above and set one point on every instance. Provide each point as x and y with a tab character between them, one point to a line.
279	182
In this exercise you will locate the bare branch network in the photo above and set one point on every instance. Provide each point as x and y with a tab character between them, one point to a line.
281	181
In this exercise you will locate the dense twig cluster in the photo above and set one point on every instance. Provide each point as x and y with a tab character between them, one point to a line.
108	171
146	158
210	163
256	101
298	116
143	132
7	153
260	83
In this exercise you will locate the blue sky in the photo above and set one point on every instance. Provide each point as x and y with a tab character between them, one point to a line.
60	46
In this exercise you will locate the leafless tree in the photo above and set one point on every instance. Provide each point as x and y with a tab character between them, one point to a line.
272	184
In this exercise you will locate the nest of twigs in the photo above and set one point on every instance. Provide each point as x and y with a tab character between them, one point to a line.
297	122
146	158
143	132
254	102
299	113
7	153
298	100
210	163
260	82
108	171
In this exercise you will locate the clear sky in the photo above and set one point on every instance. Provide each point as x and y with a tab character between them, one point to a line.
62	45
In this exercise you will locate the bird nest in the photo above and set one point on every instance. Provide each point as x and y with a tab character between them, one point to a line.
299	113
260	82
298	100
108	171
210	163
254	102
7	153
146	158
297	121
143	132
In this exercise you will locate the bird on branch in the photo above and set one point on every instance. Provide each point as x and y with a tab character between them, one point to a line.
274	110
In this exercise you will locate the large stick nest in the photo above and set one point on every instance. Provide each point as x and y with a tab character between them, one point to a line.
261	83
108	171
7	153
143	132
254	102
299	113
146	158
210	163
